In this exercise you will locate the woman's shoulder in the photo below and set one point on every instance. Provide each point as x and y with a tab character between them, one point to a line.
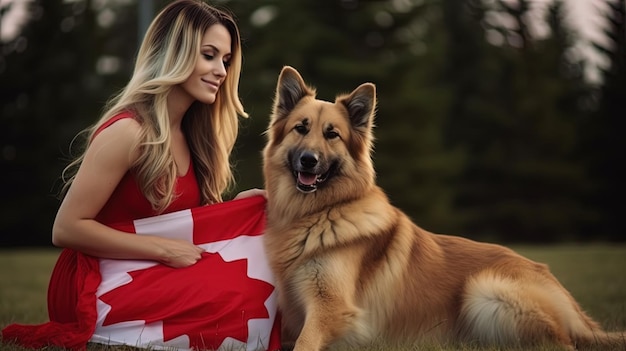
120	136
123	120
124	129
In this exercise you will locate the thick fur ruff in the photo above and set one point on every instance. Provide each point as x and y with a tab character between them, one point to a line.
351	267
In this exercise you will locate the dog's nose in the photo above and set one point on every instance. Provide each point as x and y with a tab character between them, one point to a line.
308	160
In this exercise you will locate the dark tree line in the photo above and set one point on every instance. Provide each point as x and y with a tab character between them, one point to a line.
604	142
499	141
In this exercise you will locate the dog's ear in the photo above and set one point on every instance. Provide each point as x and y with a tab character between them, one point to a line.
290	89
361	105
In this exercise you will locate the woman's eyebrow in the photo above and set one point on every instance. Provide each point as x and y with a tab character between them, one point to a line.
210	46
215	48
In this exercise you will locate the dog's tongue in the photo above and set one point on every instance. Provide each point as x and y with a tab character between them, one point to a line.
307	178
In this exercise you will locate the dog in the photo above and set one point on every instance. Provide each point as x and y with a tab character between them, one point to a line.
352	268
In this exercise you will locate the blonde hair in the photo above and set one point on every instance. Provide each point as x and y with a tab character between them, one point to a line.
166	58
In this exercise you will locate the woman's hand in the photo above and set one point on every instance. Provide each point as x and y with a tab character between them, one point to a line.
178	253
250	193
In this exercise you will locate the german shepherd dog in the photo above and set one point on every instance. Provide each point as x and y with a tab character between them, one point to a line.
351	267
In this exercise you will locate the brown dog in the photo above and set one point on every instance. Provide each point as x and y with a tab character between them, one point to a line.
351	267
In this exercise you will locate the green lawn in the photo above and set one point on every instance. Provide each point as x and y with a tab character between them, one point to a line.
594	274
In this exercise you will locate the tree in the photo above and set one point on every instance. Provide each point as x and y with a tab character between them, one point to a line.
522	181
605	145
414	165
50	88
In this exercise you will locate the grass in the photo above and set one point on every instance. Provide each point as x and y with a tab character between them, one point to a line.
594	274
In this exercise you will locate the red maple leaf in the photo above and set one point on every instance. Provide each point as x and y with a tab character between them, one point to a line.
208	301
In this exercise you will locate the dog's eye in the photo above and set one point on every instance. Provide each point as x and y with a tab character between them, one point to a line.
331	134
302	129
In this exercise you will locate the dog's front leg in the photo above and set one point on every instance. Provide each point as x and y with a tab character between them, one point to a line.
329	303
321	328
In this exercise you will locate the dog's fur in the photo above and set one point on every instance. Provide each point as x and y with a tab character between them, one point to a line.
349	266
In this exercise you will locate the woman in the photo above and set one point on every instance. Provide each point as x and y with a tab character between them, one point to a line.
165	140
162	145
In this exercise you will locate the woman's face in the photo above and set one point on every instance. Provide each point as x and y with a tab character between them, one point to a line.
211	68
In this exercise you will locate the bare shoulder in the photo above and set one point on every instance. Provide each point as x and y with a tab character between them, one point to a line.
118	141
125	128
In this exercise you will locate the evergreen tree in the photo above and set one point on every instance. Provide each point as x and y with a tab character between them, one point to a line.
414	165
604	148
522	181
49	90
467	74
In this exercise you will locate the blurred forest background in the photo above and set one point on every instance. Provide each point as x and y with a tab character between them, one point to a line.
484	128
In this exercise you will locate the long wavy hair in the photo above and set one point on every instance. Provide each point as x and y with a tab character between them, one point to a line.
166	58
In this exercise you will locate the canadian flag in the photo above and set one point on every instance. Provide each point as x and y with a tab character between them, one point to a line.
226	301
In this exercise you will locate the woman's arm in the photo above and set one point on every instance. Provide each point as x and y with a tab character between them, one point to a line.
106	161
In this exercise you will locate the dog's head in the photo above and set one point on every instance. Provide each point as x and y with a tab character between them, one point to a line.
315	146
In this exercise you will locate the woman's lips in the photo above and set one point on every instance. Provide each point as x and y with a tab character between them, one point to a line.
215	85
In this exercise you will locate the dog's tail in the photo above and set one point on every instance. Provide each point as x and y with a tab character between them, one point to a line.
498	310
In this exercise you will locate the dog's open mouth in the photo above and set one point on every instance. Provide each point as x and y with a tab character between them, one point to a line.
308	182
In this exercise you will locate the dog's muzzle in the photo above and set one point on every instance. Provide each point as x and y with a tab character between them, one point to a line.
309	171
